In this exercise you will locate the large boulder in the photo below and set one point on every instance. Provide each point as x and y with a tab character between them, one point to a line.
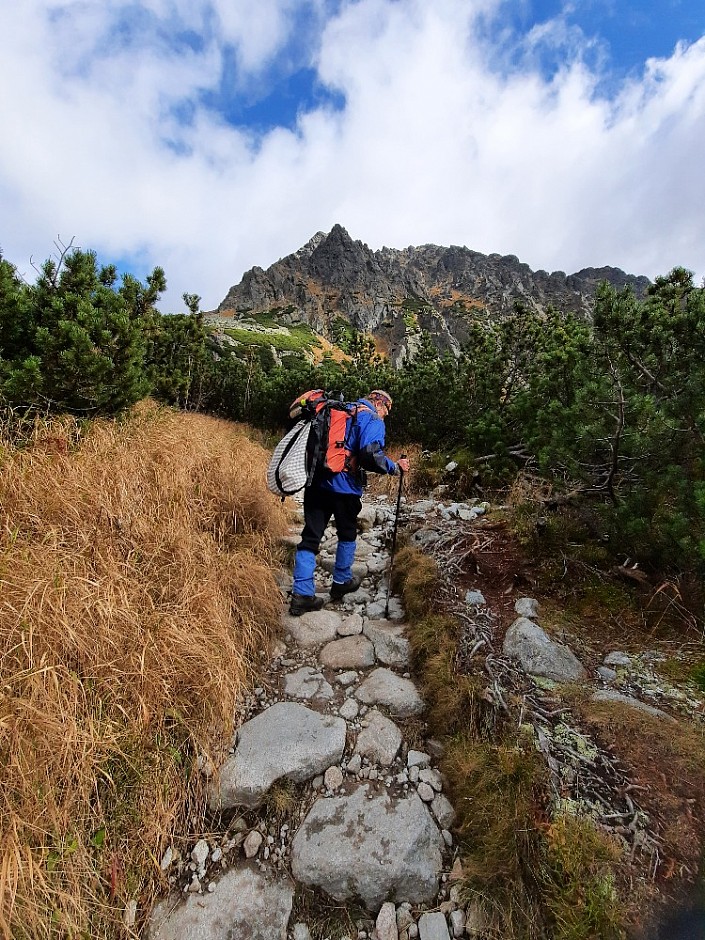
369	846
246	905
538	655
286	740
384	687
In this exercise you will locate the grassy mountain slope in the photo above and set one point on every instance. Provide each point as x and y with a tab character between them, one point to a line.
137	591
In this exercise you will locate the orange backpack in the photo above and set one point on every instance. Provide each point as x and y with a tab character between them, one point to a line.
332	421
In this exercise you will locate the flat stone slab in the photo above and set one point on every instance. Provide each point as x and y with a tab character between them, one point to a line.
246	905
376	564
314	628
433	926
391	646
352	652
384	687
286	740
609	695
380	740
538	655
351	626
307	683
371	846
363	549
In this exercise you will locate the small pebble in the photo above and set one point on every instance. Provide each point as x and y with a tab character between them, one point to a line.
333	778
252	843
354	764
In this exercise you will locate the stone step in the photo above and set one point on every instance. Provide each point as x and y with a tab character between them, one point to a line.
370	845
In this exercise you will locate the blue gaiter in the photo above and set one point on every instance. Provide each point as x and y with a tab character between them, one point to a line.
344	557
304	567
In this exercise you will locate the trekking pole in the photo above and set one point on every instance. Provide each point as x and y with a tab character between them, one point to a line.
394	537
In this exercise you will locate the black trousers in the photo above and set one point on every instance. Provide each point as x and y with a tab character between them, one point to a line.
319	506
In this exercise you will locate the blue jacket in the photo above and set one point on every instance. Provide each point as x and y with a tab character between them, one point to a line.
365	440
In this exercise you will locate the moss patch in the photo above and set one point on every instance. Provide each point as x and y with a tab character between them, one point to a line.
298	339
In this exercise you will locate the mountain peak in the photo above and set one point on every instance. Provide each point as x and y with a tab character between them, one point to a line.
398	294
339	231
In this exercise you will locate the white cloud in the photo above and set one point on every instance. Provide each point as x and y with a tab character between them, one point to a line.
439	140
259	28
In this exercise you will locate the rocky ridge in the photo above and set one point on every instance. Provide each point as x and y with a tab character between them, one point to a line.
328	733
394	294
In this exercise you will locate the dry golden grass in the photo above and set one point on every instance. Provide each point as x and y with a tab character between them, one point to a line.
413	484
452	699
137	589
416	576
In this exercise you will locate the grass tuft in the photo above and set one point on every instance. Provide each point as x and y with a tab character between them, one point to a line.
697	675
580	890
416	577
498	790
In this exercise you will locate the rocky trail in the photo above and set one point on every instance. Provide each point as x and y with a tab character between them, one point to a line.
339	823
374	826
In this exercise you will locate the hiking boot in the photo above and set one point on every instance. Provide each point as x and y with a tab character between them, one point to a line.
303	603
338	590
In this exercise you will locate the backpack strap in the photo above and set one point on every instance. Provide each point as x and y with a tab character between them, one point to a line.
352	463
304	429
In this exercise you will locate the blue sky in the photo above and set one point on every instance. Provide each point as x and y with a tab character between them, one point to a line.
208	136
629	31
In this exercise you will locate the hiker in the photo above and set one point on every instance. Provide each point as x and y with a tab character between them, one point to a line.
339	495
